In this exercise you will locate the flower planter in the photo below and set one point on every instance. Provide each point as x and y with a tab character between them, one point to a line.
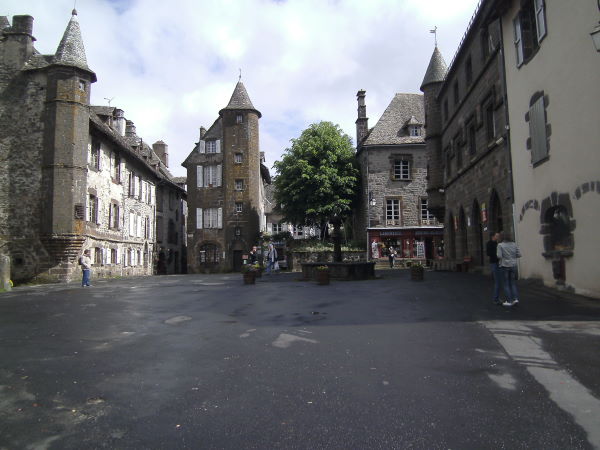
322	277
249	278
416	273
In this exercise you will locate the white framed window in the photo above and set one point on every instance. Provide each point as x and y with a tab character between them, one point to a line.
93	208
238	158
239	118
392	211
96	155
276	228
414	130
239	185
212	218
213	146
239	207
401	169
529	28
426	216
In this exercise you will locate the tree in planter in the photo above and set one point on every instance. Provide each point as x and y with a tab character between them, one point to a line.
317	179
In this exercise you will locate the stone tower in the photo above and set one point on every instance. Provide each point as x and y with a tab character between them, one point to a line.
64	164
436	72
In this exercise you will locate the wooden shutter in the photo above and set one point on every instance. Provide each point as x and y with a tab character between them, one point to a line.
217	146
220	218
540	19
537	131
98	211
200	176
518	40
202	146
198	218
219	174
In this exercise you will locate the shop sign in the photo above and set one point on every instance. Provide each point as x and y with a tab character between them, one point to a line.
483	213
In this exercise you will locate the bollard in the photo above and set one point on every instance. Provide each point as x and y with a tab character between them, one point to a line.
5	273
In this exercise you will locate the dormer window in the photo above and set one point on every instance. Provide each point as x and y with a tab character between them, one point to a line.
211	146
414	130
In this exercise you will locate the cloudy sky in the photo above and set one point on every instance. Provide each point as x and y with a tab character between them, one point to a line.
172	65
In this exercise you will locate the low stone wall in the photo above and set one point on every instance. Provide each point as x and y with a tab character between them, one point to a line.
296	259
359	270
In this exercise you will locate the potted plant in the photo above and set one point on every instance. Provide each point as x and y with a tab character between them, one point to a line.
322	275
417	270
249	273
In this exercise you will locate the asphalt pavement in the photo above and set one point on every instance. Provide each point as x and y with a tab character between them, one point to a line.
205	362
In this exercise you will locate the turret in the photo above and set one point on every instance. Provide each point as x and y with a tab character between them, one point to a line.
362	121
432	82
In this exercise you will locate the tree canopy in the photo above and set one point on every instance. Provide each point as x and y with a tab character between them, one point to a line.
317	176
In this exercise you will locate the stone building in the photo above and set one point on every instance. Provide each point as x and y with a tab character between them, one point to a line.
75	176
226	188
552	72
392	157
470	184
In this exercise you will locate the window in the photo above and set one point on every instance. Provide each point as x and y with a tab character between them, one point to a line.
458	151
445	110
490	121
116	168
414	130
93	209
239	207
211	146
456	96
239	118
97	256
471	137
276	228
392	214
114	256
469	71
401	169
448	162
426	216
538	141
238	158
209	176
82	85
147	229
298	231
212	218
132	227
113	216
239	185
485	44
95	154
529	28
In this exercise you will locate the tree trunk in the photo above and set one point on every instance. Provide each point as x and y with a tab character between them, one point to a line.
337	241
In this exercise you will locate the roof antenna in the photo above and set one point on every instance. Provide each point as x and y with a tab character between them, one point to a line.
74	12
109	100
434	31
240	78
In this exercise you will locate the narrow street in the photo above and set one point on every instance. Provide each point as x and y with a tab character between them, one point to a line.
203	361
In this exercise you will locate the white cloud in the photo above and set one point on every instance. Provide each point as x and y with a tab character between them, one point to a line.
171	66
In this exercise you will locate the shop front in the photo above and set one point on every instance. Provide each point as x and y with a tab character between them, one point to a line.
426	243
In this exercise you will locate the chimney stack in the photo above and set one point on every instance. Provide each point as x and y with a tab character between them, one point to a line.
19	42
130	130
119	121
162	151
202	132
362	122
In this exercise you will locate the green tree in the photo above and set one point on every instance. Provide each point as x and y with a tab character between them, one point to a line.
317	179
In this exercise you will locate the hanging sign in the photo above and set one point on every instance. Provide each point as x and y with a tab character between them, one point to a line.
483	213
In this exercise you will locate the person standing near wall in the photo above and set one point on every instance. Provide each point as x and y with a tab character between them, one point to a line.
86	268
491	249
507	253
271	258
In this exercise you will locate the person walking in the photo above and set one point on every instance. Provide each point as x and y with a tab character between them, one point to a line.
491	249
271	258
391	256
86	268
507	253
253	256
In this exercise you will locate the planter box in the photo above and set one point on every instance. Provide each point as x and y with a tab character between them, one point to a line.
249	278
341	271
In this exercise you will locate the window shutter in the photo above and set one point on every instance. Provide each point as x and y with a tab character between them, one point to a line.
200	176
99	157
198	218
131	224
138	226
218	146
540	19
98	211
220	218
143	191
537	131
206	175
518	40
202	146
219	174
118	256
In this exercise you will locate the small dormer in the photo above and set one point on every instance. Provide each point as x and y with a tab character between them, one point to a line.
414	127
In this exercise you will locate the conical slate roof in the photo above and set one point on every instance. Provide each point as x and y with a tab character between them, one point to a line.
240	100
436	71
70	51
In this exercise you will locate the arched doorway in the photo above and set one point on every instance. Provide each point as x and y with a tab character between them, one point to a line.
496	222
209	257
477	234
462	225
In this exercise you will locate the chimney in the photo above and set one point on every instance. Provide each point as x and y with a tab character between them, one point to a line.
162	151
362	122
202	132
130	130
119	121
19	42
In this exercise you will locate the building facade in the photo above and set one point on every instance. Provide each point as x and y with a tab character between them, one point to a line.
552	72
393	165
76	176
470	183
226	188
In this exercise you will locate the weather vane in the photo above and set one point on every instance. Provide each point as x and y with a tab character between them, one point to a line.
434	31
109	100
